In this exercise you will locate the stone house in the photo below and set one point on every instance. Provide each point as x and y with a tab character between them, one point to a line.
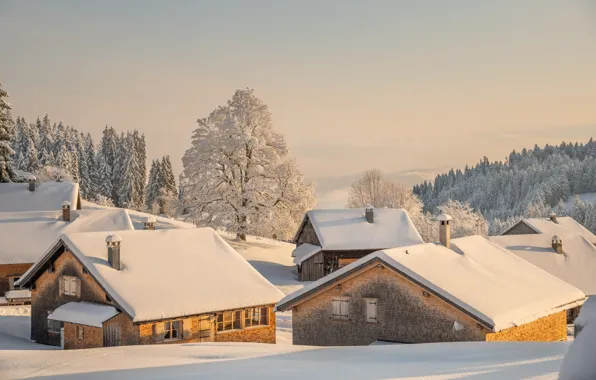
465	289
148	287
328	240
26	235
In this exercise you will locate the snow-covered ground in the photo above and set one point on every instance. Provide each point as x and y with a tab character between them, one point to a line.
20	358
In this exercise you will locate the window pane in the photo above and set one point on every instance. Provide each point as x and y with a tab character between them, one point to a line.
237	324
228	325
167	335
343	308
166	326
176	325
220	326
228	316
220	317
336	309
255	317
264	316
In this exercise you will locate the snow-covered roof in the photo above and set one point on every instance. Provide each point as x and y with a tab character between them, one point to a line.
25	236
444	217
305	251
139	218
576	265
84	313
347	229
564	224
170	273
48	196
486	281
17	294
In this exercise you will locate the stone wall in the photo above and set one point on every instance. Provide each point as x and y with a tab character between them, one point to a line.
405	313
552	328
45	296
9	270
191	328
92	337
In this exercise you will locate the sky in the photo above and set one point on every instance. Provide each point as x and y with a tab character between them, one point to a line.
397	85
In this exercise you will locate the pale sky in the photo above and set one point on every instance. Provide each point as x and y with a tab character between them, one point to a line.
351	84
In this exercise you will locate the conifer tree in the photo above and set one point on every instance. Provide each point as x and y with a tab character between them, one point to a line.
7	173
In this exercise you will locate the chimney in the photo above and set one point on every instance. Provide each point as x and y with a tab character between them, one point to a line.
553	218
113	242
445	229
31	181
149	223
369	213
66	211
557	244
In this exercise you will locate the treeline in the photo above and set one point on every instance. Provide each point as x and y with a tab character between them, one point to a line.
529	183
114	172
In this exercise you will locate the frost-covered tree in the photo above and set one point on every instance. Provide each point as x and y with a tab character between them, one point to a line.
375	190
466	220
7	173
89	154
129	167
104	176
167	172
239	175
46	142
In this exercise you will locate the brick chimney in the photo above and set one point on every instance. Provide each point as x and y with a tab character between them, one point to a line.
557	244
445	229
553	218
149	223
113	242
369	214
66	211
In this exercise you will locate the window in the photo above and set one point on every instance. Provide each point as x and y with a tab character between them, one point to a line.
53	326
11	281
371	309
80	332
71	285
340	307
229	320
258	316
172	330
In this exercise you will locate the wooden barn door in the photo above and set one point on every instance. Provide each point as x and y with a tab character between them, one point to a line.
205	334
111	335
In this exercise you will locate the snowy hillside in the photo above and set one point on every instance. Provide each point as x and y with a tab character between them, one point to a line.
586	198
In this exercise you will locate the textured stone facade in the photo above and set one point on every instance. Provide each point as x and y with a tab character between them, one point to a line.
46	297
92	336
10	270
405	313
551	328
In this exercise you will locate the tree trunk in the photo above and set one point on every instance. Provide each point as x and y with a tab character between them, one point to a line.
241	236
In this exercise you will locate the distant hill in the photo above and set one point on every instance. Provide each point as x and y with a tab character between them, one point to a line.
528	183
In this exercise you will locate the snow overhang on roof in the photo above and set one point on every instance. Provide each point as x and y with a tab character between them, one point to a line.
304	252
84	313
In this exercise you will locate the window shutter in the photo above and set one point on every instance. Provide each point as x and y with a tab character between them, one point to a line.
336	307
61	285
344	308
187	328
77	284
158	330
371	310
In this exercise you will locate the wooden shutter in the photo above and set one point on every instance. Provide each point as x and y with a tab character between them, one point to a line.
158	331
336	307
343	307
371	310
77	285
61	285
187	328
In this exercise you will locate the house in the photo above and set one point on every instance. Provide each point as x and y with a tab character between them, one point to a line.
26	235
554	225
465	289
328	240
45	196
146	287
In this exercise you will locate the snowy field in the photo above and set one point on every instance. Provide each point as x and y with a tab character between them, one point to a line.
20	358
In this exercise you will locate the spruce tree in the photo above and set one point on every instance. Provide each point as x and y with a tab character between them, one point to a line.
168	176
104	176
7	173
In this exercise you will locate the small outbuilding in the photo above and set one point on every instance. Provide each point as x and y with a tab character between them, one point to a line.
328	240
